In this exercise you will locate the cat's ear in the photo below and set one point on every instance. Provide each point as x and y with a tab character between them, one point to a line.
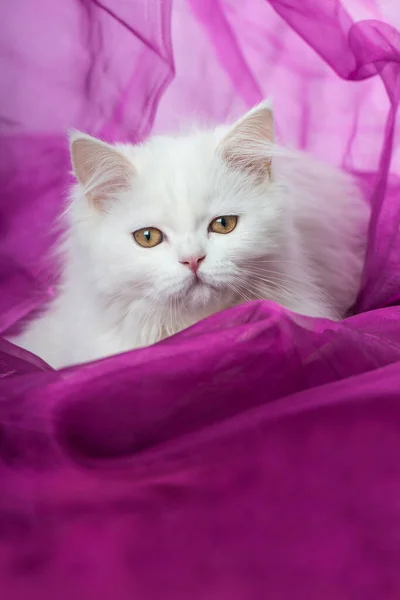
245	146
101	169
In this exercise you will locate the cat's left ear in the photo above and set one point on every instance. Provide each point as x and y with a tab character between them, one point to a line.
101	170
245	146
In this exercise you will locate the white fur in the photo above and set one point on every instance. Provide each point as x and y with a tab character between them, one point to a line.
299	240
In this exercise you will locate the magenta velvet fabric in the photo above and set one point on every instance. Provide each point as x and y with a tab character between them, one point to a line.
255	455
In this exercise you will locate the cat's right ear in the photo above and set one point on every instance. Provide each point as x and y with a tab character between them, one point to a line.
100	169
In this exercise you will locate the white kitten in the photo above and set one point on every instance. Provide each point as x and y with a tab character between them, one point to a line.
166	233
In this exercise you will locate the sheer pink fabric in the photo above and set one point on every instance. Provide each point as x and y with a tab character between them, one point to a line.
252	456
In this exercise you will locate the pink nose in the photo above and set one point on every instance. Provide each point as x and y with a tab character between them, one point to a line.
193	263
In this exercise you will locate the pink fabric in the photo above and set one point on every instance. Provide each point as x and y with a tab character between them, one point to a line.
254	455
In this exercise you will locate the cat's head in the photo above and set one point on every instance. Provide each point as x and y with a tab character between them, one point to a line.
178	220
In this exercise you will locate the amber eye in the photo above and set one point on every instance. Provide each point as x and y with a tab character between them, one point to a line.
224	224
148	237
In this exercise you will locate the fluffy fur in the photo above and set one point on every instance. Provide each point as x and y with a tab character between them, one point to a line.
299	239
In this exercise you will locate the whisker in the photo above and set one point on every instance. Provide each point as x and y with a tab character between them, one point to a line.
304	282
239	292
276	291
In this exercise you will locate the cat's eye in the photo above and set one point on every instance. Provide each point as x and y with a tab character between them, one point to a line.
224	224
148	237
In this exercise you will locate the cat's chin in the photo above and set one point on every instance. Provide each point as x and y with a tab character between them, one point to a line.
205	296
199	293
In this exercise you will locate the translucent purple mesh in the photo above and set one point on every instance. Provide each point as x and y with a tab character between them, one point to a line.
253	455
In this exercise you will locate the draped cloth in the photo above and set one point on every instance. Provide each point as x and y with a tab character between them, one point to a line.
253	455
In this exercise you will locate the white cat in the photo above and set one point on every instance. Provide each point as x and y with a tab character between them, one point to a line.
164	234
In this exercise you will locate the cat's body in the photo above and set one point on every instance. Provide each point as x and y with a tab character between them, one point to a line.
298	238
